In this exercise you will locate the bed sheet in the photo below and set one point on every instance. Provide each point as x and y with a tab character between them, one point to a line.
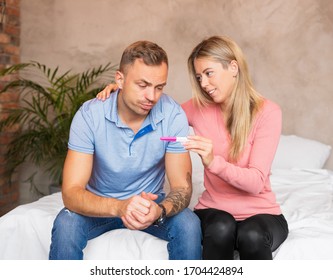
306	198
25	234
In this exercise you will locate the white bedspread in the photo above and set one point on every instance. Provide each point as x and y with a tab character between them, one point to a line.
306	198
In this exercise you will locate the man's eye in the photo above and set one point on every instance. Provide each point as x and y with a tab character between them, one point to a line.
142	85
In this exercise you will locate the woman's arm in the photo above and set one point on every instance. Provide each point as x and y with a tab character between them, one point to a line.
252	177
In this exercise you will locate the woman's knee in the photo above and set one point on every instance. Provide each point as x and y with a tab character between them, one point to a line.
253	235
219	226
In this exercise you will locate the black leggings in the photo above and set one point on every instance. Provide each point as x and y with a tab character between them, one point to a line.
255	238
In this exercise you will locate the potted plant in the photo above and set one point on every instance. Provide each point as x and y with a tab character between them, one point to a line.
47	104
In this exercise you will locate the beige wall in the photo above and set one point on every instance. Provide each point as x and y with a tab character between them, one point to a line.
289	45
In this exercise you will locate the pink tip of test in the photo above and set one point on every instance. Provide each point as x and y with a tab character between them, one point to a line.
174	139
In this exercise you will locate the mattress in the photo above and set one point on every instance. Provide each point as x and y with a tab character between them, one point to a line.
305	196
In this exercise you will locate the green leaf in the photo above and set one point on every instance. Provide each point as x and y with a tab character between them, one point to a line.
47	105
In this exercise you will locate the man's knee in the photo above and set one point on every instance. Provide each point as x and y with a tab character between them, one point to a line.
66	223
188	223
187	218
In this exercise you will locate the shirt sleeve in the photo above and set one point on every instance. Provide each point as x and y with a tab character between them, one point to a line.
178	127
253	177
81	138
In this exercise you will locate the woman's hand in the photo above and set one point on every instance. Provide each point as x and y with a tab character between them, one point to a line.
202	146
106	92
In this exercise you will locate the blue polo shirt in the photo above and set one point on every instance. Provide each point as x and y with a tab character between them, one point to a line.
125	163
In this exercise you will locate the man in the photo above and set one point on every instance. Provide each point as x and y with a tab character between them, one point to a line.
116	164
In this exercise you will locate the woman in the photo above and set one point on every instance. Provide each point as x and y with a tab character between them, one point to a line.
237	133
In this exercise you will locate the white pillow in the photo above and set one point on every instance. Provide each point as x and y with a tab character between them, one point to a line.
197	176
297	152
197	179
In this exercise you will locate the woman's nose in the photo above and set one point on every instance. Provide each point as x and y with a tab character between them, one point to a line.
204	82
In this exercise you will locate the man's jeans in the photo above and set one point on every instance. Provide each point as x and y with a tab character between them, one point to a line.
72	231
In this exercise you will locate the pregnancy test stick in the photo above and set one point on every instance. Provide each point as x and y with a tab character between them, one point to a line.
174	139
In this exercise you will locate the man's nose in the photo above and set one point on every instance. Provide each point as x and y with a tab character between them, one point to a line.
150	94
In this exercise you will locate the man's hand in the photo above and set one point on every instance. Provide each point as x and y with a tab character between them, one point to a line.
141	211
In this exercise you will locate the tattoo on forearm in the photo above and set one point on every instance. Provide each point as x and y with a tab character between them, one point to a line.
181	197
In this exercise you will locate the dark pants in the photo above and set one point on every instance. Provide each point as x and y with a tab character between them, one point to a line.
255	238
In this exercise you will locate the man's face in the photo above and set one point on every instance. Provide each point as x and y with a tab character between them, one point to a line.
141	87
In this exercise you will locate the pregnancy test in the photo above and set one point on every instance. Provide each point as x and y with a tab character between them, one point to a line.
174	139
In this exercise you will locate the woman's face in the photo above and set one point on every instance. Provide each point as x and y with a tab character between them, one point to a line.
216	81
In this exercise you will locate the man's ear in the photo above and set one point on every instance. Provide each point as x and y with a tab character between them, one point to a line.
233	66
119	79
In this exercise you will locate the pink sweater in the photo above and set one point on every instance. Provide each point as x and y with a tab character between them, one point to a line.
243	189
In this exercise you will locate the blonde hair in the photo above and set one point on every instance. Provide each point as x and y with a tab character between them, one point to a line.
244	101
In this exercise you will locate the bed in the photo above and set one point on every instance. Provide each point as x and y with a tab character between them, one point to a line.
302	186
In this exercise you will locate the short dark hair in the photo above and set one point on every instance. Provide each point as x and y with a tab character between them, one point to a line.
150	53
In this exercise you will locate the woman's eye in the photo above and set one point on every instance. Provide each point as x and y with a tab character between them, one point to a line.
209	73
198	78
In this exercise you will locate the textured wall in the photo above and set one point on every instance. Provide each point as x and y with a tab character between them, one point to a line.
288	44
9	54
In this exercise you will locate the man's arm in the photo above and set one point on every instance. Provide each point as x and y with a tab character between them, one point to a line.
178	169
179	173
76	174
